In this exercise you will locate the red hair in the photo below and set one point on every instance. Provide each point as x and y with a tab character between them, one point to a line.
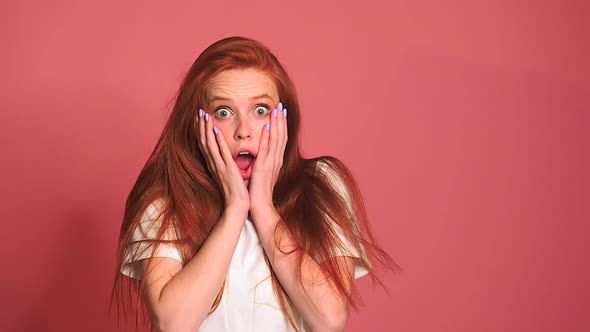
304	195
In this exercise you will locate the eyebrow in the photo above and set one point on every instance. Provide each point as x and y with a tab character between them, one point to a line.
220	98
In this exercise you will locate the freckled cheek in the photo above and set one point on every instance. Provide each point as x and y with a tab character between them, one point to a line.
260	124
225	127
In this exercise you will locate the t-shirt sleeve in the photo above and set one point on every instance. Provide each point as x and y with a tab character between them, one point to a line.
362	265
141	248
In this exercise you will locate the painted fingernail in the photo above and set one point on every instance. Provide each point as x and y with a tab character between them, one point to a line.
207	117
275	113
215	130
280	105
285	112
200	112
267	126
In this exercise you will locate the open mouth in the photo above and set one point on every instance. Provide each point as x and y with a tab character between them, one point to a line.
244	160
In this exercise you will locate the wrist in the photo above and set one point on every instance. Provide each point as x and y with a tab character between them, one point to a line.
265	217
236	211
262	209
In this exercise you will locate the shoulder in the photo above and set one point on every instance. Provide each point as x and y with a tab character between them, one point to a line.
328	166
324	163
154	211
346	230
335	172
151	221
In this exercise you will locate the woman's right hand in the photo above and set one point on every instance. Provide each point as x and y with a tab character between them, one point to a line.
221	164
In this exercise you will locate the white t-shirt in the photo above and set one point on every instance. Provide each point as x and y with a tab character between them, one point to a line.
248	302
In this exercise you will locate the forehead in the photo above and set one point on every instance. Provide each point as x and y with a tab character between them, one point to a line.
236	84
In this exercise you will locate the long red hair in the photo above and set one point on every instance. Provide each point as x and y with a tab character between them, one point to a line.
176	173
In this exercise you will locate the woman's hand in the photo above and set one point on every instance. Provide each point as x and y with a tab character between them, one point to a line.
221	164
269	160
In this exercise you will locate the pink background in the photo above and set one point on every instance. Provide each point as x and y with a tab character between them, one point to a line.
466	123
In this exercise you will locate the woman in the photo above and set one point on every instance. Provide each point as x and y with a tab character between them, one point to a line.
228	227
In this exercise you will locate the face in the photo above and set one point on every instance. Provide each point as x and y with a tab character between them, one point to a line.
241	101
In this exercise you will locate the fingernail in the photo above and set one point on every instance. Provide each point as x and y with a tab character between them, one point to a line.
200	112
267	126
280	105
207	117
285	112
276	113
215	130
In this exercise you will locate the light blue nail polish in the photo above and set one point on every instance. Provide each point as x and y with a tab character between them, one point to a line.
200	112
207	117
215	130
285	112
280	105
267	126
275	113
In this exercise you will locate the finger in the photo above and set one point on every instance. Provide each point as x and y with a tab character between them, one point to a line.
202	143
212	143
280	137
223	148
272	142
285	137
263	147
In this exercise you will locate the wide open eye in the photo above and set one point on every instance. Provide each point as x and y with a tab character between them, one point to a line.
223	112
261	110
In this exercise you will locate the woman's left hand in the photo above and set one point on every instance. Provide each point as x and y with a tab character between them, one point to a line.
269	160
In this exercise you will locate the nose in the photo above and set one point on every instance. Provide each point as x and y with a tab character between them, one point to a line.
244	129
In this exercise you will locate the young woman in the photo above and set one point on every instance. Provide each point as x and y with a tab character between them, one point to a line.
228	227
